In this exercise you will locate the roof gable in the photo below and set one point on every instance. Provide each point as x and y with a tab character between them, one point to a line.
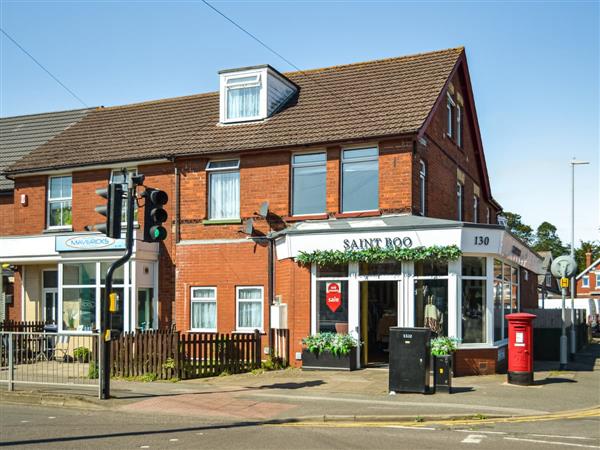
373	99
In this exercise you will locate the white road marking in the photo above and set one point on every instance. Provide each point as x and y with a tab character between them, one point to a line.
479	431
51	417
24	421
410	428
173	440
144	446
200	434
473	439
562	437
539	441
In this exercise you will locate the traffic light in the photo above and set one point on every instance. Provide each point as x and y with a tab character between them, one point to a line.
112	210
154	215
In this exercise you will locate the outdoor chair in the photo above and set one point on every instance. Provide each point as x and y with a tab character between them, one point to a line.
61	348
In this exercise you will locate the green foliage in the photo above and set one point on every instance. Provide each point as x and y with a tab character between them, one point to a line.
168	364
148	377
82	354
93	371
336	343
442	346
273	363
377	254
547	240
592	247
518	228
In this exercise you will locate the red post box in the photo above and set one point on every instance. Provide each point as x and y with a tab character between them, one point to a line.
520	348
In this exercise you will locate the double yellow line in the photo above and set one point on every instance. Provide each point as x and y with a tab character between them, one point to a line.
562	415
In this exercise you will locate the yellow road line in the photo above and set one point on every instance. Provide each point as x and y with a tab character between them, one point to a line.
578	414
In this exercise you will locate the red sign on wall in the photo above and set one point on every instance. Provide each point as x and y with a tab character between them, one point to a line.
333	295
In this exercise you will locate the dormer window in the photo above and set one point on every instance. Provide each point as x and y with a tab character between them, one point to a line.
253	93
243	98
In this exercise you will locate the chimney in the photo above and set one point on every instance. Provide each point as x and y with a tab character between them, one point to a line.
588	259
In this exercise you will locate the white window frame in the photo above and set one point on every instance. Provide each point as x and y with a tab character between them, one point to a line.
475	209
585	281
450	105
204	300
228	83
130	171
510	283
210	170
597	280
237	308
548	280
58	199
361	159
310	164
460	193
422	187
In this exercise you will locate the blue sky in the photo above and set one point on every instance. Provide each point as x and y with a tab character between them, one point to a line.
534	67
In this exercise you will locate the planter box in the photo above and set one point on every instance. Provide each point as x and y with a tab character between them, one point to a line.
327	361
442	373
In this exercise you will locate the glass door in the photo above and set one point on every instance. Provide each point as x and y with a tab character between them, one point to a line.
50	305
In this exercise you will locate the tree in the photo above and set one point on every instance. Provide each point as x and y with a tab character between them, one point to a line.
518	228
547	239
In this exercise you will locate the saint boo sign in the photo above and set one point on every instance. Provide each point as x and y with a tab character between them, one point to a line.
333	296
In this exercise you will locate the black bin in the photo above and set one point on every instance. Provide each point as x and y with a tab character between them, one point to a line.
409	359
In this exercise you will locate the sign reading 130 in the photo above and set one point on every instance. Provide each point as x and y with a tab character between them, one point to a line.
482	240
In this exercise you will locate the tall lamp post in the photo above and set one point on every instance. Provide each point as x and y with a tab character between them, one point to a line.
574	162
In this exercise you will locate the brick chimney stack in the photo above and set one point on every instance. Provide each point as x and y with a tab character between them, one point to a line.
588	259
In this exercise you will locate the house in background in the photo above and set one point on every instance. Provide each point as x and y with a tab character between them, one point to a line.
588	286
383	154
548	287
19	136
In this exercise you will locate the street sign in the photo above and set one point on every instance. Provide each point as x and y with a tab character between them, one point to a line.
564	267
564	282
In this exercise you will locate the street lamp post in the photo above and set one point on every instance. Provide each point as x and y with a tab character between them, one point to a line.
574	162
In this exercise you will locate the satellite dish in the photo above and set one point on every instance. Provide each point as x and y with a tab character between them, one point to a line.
264	209
249	226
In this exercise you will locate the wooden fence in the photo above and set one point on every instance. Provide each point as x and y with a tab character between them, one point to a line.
19	326
143	353
210	354
169	354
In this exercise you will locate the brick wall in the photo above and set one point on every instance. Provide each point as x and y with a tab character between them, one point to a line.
31	217
7	213
481	361
443	157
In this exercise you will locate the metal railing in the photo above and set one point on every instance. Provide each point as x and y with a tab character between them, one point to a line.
63	359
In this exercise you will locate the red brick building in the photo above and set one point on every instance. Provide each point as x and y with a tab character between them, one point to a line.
382	154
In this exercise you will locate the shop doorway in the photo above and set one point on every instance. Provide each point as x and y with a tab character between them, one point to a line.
379	312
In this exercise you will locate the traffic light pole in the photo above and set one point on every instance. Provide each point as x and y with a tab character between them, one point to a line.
106	317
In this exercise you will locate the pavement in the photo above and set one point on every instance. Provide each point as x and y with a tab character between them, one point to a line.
296	396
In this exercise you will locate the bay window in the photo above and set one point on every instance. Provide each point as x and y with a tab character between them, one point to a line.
204	309
506	296
249	301
223	189
309	174
360	179
59	202
473	299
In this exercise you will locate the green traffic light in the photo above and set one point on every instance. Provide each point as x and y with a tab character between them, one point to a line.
156	233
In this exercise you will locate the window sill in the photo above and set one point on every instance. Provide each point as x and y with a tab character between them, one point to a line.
249	331
221	221
346	215
198	330
57	229
306	217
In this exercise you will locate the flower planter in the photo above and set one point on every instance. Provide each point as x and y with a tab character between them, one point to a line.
328	361
442	373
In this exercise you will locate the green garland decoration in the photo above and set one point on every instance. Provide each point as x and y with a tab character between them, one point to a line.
376	254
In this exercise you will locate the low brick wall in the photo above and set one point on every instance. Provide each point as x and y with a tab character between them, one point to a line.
478	361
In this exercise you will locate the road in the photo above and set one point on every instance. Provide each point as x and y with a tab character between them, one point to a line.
24	427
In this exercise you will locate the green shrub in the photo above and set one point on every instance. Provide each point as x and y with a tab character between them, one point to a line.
336	343
168	364
443	346
82	354
273	363
93	371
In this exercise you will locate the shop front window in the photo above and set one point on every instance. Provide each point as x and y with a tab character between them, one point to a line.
79	308
381	268
332	298
506	297
431	296
473	300
145	311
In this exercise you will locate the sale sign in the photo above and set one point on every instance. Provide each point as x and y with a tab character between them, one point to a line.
333	295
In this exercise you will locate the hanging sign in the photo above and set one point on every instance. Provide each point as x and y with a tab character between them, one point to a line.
333	295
